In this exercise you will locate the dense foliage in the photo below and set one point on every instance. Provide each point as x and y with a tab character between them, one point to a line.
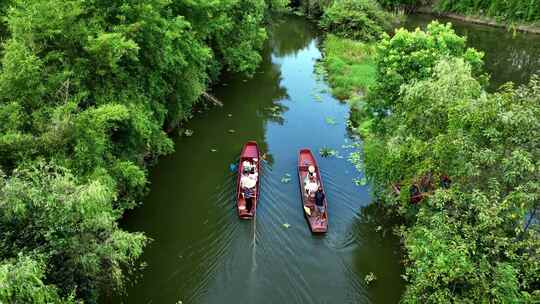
86	90
474	156
356	19
407	5
515	10
409	56
312	8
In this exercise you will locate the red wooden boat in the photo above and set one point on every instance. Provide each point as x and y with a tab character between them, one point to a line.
250	153
318	223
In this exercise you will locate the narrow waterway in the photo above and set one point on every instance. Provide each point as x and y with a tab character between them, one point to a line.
202	253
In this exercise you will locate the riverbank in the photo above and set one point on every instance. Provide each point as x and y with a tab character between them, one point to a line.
533	28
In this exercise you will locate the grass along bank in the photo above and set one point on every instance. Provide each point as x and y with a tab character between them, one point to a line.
350	69
350	66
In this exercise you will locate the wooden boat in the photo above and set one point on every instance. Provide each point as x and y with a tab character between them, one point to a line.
250	152
318	223
415	195
423	188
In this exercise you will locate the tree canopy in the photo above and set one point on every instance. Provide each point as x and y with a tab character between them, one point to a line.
87	91
472	155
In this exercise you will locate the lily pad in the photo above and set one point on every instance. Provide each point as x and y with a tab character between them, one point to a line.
328	152
370	278
286	178
330	120
188	132
360	181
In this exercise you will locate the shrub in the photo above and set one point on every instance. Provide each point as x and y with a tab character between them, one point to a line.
356	19
410	56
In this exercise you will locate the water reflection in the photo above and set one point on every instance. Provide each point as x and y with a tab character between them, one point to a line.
288	36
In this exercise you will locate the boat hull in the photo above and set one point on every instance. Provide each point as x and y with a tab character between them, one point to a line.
318	223
249	152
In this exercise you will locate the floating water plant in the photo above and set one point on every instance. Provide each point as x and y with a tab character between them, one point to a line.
286	225
328	152
188	132
360	181
286	178
274	111
370	278
330	120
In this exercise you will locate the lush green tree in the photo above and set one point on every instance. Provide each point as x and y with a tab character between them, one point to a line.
312	8
407	5
21	282
46	211
409	56
87	89
473	241
356	19
474	156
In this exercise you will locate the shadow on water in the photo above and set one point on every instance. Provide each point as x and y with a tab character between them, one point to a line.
202	252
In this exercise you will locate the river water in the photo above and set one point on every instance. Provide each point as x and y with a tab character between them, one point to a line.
202	253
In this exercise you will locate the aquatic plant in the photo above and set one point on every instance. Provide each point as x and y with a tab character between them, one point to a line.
328	152
286	178
370	278
330	120
188	132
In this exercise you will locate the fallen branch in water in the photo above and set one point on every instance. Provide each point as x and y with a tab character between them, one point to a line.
212	99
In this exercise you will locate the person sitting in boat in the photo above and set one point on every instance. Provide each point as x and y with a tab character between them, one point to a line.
247	184
247	166
311	187
319	201
253	174
311	173
310	182
249	195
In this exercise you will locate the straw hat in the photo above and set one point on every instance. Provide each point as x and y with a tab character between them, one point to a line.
311	169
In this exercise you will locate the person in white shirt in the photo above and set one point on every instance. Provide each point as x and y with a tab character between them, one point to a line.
311	187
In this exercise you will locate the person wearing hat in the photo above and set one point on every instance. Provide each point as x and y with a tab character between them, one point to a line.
310	183
311	172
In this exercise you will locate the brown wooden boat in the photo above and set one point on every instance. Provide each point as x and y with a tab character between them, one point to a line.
250	153
318	223
424	187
